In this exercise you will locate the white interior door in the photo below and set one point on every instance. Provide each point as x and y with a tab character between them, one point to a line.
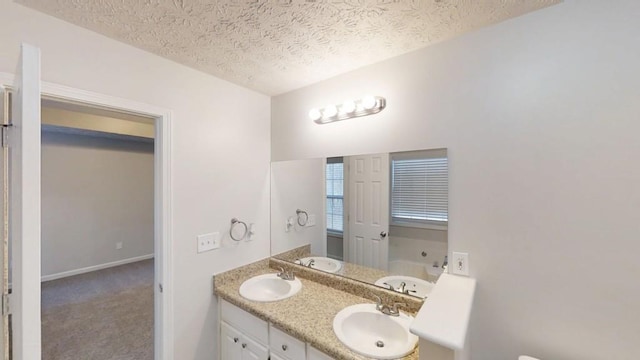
24	211
4	228
369	210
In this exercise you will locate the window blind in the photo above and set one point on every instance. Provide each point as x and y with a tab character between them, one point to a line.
335	194
419	188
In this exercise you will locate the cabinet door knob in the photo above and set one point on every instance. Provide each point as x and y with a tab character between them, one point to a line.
284	347
244	346
235	339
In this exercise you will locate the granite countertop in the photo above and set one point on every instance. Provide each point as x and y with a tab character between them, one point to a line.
350	270
308	315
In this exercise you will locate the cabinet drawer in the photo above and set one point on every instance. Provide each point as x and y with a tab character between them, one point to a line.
245	322
285	345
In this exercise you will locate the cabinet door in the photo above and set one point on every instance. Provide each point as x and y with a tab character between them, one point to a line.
251	350
315	354
231	348
275	357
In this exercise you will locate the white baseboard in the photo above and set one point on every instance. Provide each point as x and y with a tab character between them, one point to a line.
95	267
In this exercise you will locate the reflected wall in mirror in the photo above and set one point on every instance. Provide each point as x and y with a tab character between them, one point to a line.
377	218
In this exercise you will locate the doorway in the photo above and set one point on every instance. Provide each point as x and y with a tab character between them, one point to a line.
162	288
97	233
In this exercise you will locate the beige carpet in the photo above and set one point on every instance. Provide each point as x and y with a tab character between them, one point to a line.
105	314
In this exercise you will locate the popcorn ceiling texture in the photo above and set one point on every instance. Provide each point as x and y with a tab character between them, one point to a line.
275	46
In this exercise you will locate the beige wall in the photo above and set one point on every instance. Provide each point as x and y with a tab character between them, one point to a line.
95	192
220	151
540	118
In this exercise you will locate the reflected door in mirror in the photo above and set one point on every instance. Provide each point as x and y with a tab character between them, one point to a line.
368	243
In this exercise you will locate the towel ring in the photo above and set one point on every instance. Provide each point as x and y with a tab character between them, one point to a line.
300	217
235	222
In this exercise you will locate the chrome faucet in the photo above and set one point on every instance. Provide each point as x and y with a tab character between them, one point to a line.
310	263
401	288
284	275
390	286
386	309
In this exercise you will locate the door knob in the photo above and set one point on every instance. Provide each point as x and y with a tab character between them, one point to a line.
383	234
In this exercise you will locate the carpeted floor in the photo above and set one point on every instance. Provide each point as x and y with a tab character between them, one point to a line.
102	315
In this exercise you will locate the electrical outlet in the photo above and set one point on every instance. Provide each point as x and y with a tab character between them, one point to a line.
460	263
119	245
208	242
251	230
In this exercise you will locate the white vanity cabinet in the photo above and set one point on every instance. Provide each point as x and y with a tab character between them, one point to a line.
237	346
315	354
246	337
285	346
242	335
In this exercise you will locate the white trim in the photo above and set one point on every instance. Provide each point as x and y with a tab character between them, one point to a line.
164	337
87	269
24	200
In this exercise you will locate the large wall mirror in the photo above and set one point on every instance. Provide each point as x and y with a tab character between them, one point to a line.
377	218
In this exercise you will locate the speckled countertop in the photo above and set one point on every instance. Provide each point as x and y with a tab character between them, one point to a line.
352	271
308	315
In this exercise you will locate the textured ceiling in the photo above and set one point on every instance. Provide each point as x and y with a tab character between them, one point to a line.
275	46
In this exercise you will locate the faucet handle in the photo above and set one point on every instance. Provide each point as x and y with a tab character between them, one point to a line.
281	270
378	301
395	307
389	285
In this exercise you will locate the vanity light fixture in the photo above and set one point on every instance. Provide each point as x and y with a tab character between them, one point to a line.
349	109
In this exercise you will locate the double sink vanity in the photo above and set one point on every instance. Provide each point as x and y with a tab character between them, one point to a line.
268	313
387	296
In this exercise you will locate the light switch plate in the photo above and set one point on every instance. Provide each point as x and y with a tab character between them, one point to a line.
208	242
216	241
460	263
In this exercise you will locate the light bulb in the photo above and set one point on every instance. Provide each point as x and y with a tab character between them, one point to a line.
348	107
330	111
368	102
314	114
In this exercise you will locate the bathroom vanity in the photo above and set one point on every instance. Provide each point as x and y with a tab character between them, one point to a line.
296	328
245	336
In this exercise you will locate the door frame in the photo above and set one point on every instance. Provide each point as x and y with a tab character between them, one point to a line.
163	208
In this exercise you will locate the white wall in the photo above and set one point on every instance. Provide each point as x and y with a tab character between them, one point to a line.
220	154
540	118
95	192
297	185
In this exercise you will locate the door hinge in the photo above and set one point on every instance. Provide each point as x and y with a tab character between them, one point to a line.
6	308
5	135
160	287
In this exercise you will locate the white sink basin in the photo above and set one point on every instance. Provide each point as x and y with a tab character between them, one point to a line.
321	263
269	287
371	333
413	286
